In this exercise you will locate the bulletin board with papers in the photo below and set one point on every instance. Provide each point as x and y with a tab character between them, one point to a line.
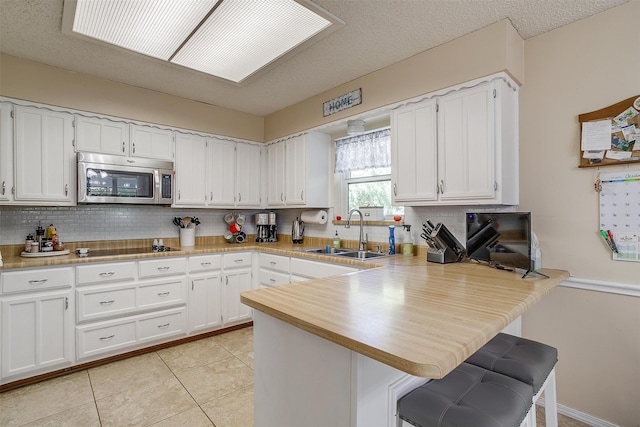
611	136
620	214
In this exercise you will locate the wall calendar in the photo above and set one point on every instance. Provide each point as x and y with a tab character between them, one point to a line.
620	213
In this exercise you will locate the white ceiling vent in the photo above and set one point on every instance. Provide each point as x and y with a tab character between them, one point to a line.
230	39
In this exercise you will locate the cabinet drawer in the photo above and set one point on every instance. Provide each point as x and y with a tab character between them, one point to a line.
162	325
162	267
238	259
35	280
205	263
314	269
99	302
274	262
161	294
272	278
101	273
105	337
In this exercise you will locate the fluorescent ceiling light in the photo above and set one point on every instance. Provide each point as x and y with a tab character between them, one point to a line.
230	39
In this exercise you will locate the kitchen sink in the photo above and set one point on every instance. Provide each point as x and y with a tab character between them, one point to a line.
362	254
324	251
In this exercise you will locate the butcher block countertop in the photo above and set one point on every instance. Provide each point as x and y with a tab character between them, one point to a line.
421	318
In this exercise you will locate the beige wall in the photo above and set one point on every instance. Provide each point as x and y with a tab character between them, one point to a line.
41	83
495	48
570	71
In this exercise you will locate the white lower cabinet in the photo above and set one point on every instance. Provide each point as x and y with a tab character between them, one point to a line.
125	305
237	278
117	307
37	322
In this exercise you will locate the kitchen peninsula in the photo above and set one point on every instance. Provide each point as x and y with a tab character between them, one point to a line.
339	351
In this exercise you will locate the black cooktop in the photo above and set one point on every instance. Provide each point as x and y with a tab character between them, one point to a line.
120	251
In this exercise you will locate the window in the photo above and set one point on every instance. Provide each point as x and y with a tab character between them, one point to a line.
365	163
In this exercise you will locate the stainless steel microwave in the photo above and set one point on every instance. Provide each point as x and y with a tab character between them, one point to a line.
104	178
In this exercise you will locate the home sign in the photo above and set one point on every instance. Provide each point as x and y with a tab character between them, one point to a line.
342	102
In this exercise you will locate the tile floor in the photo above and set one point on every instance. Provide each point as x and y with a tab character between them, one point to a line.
202	383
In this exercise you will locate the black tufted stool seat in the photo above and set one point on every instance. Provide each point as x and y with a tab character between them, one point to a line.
469	396
528	361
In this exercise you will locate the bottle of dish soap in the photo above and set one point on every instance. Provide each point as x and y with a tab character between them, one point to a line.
336	241
392	240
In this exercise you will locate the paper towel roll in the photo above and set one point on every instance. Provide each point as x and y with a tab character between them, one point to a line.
314	217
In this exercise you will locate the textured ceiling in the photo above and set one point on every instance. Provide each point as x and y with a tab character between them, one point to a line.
377	33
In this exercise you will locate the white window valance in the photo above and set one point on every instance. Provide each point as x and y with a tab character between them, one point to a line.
369	150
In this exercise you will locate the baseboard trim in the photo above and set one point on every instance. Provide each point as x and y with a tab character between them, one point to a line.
580	416
602	286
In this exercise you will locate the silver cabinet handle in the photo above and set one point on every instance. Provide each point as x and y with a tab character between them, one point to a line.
123	145
179	194
272	280
441	186
302	195
395	189
282	197
239	197
107	338
166	325
238	260
38	282
133	145
111	301
163	268
107	274
211	195
4	187
163	294
272	262
66	189
205	264
66	303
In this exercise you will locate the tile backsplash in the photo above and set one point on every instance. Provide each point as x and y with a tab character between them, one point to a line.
120	222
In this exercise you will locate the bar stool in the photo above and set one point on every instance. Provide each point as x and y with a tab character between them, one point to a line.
524	360
469	396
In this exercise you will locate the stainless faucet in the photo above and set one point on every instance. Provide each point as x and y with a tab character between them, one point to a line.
361	240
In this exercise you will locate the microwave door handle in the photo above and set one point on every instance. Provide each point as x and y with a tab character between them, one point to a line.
157	185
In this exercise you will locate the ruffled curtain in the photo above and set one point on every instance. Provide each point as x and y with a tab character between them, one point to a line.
369	150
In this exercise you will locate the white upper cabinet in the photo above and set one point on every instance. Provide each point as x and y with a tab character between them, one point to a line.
6	152
248	174
459	148
413	153
151	142
97	135
298	171
44	157
214	172
221	172
103	135
275	174
191	169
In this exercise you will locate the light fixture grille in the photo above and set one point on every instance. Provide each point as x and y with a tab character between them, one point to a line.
238	37
243	36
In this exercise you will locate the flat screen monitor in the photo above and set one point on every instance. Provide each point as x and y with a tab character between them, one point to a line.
500	238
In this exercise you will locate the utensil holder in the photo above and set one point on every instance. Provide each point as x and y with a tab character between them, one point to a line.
187	237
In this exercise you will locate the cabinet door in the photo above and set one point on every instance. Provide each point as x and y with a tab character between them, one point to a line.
466	145
221	173
205	307
44	156
235	282
295	171
248	171
275	174
102	136
151	142
190	166
6	152
36	332
413	152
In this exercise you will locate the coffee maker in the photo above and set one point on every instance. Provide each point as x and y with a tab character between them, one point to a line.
266	228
